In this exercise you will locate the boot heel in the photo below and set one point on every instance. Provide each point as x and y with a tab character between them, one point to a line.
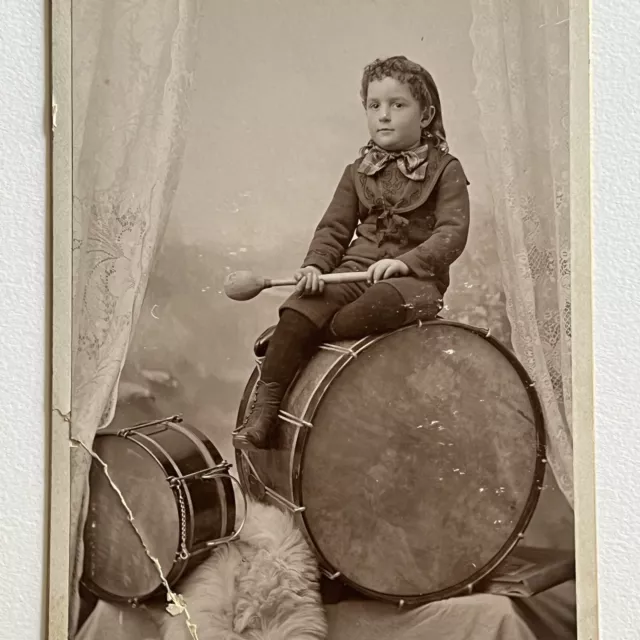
242	443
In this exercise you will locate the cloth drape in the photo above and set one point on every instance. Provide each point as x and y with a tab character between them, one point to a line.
132	67
521	63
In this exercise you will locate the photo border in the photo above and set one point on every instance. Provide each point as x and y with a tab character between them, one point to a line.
61	176
582	374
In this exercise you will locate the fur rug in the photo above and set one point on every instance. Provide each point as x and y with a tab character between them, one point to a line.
263	587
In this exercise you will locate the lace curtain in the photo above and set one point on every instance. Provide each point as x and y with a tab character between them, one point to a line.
132	65
521	62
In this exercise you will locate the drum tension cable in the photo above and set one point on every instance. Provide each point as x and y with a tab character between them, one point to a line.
268	491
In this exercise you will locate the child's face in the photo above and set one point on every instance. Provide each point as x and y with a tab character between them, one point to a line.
394	116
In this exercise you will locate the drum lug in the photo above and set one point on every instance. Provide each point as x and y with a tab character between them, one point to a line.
184	555
221	469
328	574
191	554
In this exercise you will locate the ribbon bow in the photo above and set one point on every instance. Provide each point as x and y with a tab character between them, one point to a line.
412	163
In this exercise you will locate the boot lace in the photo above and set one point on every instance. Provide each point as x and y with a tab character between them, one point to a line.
252	408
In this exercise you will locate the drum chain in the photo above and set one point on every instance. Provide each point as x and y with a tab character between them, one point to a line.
183	554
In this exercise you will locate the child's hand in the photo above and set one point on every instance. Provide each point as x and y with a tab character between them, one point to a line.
309	283
386	268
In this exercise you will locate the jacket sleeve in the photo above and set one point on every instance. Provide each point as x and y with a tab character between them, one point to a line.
335	231
451	229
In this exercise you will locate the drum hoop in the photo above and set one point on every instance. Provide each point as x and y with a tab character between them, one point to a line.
178	565
297	458
297	446
224	487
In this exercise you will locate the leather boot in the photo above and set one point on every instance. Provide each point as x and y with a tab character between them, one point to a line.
259	425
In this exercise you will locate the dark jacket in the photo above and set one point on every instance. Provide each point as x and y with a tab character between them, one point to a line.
427	229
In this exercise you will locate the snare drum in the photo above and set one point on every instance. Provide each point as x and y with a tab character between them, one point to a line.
181	497
413	460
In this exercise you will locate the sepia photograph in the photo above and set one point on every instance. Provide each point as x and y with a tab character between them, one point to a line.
322	339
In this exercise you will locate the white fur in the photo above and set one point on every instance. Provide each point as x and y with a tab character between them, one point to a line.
263	587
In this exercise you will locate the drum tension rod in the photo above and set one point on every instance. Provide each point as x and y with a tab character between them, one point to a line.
283	501
338	349
142	425
294	420
211	473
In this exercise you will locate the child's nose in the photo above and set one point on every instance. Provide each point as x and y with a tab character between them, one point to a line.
384	116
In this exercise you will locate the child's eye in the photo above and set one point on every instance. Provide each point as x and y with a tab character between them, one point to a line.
398	105
373	105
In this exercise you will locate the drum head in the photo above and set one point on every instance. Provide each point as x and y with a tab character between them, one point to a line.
116	564
422	464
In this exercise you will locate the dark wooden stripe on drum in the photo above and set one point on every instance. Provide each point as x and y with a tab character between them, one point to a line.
226	511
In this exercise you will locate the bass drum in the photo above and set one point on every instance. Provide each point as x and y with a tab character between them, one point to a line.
413	460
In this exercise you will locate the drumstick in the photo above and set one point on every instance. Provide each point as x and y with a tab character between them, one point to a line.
244	285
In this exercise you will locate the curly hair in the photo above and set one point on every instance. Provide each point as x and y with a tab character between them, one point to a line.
422	87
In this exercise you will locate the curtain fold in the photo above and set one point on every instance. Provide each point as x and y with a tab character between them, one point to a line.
521	63
132	67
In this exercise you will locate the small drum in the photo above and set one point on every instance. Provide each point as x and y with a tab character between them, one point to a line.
180	495
413	459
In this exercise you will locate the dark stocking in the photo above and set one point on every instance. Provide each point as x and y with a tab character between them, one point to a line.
293	342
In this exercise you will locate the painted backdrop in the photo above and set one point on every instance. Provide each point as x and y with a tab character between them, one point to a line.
275	117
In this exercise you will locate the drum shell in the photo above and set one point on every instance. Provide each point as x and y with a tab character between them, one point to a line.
282	470
173	450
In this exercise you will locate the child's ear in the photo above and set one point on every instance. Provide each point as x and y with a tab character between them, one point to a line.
428	116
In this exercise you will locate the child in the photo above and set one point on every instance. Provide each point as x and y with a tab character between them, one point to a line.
406	199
